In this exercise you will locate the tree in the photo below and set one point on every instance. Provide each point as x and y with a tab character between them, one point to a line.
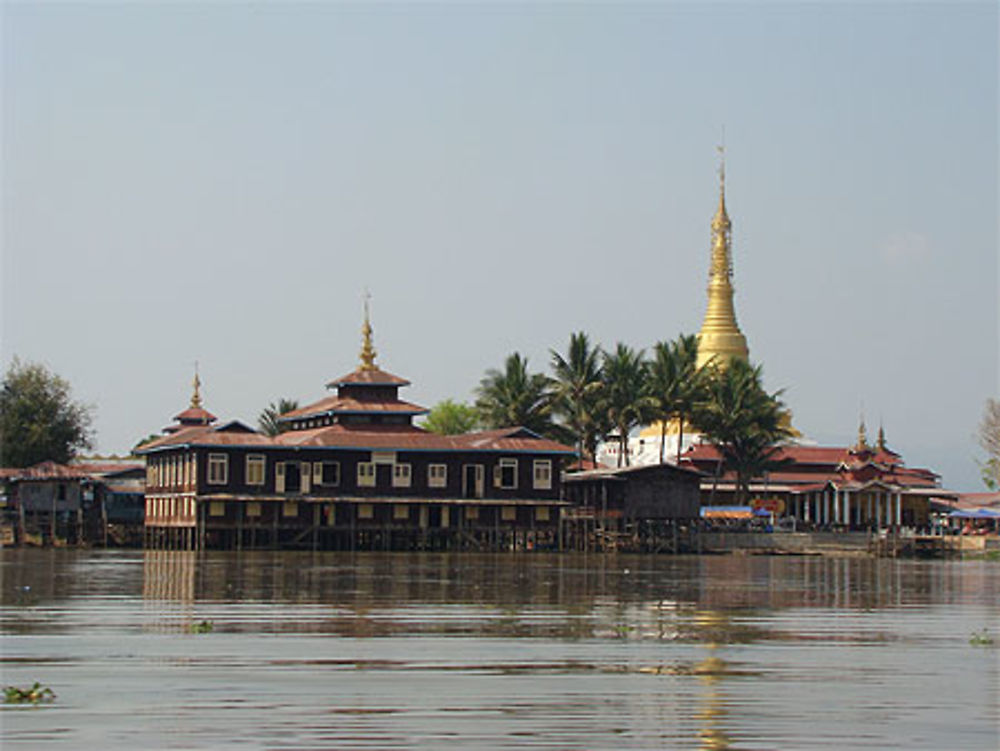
515	397
674	385
577	388
268	419
39	420
989	439
451	418
743	422
625	397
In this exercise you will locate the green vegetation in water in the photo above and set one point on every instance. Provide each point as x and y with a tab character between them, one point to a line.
36	694
202	627
981	639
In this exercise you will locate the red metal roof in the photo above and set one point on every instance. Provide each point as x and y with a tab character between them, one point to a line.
340	404
49	470
409	437
368	377
195	414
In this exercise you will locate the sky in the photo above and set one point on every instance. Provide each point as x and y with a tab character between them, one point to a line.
220	182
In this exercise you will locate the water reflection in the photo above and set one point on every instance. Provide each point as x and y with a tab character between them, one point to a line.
319	650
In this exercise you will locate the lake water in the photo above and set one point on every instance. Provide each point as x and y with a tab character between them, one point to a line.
347	651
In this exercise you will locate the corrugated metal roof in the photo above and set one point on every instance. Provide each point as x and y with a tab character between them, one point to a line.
368	377
347	405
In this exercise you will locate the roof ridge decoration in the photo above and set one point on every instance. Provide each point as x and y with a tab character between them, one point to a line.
367	348
196	384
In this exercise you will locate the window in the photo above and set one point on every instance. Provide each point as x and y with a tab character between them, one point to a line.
366	511
400	512
218	469
253	508
401	475
542	514
472	512
543	474
437	475
506	474
151	475
326	473
217	508
508	513
366	475
289	508
255	469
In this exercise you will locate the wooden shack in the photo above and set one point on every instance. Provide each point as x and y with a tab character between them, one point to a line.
629	507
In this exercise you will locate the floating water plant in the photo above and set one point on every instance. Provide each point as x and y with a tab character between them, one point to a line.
36	694
980	639
202	627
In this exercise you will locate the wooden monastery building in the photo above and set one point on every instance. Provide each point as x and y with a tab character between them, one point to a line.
351	471
851	488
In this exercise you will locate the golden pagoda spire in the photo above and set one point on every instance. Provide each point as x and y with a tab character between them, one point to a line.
720	338
196	394
367	349
862	443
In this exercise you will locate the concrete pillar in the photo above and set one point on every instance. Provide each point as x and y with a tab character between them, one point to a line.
825	513
847	507
806	514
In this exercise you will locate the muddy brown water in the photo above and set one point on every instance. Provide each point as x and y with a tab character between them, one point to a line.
351	651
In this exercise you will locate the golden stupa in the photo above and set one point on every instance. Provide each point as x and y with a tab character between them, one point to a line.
720	338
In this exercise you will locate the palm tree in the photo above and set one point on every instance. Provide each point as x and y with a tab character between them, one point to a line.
744	423
674	385
577	389
268	419
624	395
515	397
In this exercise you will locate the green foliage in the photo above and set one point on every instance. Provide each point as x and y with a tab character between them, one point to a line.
451	418
981	639
36	694
39	420
268	419
514	397
577	392
202	627
675	384
625	396
743	422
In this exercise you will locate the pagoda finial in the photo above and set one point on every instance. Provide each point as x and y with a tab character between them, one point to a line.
881	437
367	349
720	338
862	443
196	393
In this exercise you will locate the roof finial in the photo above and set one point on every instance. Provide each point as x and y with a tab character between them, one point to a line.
367	350
881	436
862	433
196	383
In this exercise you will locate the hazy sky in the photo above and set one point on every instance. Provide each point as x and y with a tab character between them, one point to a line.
220	182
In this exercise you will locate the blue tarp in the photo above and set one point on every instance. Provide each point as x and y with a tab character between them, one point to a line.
975	513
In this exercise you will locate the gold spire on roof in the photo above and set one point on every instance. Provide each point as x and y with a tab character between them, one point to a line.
881	437
720	337
862	443
196	394
367	349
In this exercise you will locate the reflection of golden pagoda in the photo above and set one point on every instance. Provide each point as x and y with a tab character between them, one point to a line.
720	338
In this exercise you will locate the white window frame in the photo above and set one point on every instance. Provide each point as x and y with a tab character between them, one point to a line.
502	464
541	474
366	474
402	475
437	475
319	471
256	464
218	469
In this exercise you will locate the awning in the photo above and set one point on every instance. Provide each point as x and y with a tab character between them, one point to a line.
975	513
731	512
